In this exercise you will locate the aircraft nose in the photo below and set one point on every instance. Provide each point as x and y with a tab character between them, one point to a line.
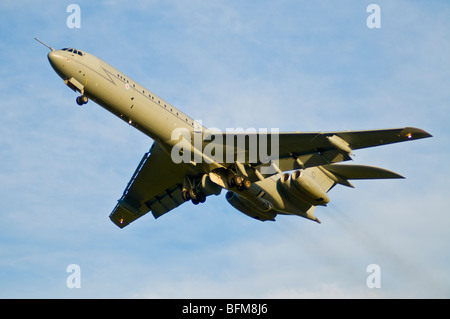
53	58
56	60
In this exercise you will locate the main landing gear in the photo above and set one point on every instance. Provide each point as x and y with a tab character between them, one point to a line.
82	99
195	195
196	189
240	182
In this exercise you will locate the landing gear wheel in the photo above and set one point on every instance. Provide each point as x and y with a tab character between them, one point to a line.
82	99
192	194
231	182
185	195
235	181
201	197
241	183
238	180
196	196
246	183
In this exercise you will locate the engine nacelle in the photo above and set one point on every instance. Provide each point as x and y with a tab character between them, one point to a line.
305	187
248	208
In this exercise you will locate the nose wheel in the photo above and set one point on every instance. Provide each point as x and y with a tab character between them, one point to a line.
82	99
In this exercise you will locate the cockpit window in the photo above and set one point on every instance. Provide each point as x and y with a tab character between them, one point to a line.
73	51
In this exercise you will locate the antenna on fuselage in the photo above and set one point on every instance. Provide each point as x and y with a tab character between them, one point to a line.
44	44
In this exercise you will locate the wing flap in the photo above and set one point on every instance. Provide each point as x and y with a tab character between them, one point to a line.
162	204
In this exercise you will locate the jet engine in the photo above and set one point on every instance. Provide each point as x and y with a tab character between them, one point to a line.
248	208
305	187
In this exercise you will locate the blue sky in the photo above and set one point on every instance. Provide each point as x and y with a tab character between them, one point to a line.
292	65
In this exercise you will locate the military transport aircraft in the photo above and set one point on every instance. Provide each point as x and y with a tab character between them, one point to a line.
266	173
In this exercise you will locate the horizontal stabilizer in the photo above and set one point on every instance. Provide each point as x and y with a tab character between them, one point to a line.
350	171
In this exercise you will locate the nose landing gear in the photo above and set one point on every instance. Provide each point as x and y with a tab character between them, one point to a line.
75	85
82	99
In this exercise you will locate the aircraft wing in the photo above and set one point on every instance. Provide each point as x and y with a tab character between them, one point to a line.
300	150
314	149
156	185
355	139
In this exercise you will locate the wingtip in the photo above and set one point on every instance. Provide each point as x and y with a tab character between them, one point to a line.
119	222
413	133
